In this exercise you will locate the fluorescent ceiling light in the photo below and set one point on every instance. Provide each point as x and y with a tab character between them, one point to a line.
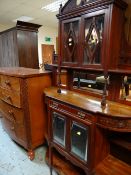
53	7
23	18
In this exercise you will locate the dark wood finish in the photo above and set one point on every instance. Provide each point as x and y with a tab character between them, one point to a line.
19	46
110	165
87	111
24	115
113	12
91	40
93	105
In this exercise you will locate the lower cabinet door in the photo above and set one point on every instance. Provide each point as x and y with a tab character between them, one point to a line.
79	140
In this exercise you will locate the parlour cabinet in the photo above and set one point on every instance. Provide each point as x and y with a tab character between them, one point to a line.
21	105
19	46
78	128
84	118
90	32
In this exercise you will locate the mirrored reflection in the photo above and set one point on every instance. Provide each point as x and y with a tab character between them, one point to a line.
125	91
93	40
88	81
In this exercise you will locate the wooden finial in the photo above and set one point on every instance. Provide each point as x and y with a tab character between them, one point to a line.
59	77
83	2
60	8
103	102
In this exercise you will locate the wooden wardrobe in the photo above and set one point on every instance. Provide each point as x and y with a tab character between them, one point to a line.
19	46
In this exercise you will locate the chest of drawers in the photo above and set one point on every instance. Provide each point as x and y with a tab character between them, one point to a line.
23	113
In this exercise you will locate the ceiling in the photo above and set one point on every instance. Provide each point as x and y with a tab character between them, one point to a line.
10	10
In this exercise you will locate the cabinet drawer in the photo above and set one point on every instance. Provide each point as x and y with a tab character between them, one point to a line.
11	97
10	83
8	126
78	113
16	131
12	113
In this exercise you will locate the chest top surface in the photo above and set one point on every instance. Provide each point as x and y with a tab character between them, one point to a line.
22	72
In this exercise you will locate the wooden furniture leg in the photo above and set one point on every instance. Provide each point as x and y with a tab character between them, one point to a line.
50	159
31	154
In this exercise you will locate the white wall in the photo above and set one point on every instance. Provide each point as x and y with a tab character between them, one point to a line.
46	32
3	27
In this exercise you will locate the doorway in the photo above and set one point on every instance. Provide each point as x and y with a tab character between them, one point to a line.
47	53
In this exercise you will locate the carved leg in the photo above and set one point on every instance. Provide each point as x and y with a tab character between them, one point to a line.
31	154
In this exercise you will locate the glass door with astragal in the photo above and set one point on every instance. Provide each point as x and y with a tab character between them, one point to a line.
93	39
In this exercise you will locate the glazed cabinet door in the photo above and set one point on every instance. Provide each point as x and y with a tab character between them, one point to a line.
79	140
92	39
72	136
70	42
59	129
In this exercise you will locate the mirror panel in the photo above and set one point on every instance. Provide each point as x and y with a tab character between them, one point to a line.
125	91
92	82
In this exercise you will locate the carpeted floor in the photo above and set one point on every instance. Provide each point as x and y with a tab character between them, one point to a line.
14	160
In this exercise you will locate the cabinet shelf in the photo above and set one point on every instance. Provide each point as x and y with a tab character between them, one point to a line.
63	166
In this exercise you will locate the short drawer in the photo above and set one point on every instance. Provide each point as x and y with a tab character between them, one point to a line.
10	83
12	113
78	113
11	97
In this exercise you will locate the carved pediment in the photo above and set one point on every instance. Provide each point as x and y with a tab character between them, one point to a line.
72	4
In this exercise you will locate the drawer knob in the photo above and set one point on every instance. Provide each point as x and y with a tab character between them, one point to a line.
55	105
81	115
7	82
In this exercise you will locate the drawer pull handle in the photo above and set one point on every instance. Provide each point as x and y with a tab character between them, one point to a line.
12	128
8	98
81	115
12	114
7	82
55	105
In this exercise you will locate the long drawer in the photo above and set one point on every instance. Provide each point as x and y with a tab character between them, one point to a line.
17	132
11	97
12	113
78	113
10	83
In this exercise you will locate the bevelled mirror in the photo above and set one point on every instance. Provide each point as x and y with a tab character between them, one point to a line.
93	82
125	91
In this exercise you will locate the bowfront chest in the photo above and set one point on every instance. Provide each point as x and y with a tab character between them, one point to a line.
21	105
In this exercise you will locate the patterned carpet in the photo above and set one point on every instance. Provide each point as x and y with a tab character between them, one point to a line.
14	160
